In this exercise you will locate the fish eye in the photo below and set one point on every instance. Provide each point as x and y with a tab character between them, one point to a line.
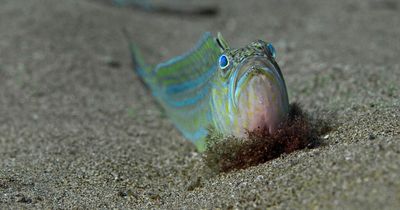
223	62
271	50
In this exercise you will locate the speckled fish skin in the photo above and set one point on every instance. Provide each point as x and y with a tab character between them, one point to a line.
196	93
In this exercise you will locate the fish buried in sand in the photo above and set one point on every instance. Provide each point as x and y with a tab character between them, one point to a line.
232	91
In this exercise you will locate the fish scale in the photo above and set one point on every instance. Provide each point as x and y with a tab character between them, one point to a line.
187	76
197	94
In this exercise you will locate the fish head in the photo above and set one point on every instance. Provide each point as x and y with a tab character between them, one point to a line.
249	90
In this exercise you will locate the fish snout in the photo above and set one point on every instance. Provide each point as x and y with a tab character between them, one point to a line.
262	100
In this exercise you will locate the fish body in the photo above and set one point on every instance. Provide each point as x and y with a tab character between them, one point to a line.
232	91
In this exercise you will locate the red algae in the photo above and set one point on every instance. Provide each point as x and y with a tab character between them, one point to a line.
299	131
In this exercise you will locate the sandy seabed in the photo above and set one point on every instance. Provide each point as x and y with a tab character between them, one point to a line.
78	130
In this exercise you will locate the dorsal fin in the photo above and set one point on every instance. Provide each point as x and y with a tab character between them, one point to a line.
221	42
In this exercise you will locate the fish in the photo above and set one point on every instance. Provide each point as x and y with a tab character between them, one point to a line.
213	87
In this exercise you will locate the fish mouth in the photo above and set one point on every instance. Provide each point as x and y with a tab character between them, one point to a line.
258	95
247	70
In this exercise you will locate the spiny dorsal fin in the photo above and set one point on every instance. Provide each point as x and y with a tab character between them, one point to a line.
221	42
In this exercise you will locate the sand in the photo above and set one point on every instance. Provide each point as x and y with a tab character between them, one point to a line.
78	129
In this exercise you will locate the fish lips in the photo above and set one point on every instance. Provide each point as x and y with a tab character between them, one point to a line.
249	69
258	96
